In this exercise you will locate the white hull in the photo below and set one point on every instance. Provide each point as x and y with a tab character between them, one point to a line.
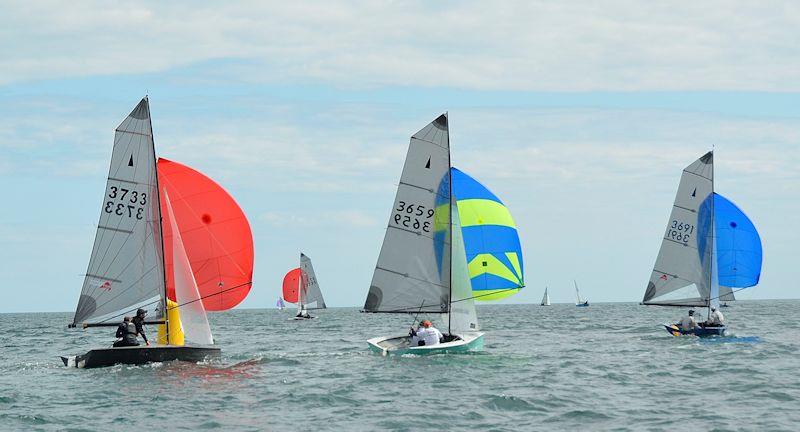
385	345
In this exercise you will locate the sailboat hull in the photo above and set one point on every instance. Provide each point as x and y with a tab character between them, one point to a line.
400	345
700	331
584	304
137	355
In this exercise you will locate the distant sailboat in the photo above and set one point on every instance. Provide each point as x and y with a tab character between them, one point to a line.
127	268
545	298
300	286
579	301
280	304
709	248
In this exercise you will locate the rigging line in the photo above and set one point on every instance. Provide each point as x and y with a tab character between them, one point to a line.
210	295
127	311
732	291
484	295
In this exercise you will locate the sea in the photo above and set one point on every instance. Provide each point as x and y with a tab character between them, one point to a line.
610	366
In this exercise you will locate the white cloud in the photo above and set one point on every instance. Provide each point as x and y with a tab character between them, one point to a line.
620	45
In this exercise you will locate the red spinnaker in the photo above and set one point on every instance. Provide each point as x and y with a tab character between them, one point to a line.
291	283
215	233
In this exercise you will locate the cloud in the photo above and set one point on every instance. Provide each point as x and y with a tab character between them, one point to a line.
562	46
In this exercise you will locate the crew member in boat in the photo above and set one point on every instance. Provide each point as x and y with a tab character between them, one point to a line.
688	323
715	318
126	333
426	334
138	322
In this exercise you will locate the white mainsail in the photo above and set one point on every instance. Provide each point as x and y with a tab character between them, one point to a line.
311	295
193	315
683	274
578	299
126	268
413	269
545	298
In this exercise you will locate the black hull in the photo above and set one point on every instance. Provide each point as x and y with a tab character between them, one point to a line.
137	355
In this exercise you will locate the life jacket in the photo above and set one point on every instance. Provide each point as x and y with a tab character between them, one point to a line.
129	333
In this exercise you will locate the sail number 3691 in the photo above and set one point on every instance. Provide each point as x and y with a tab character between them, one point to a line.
680	231
126	202
413	216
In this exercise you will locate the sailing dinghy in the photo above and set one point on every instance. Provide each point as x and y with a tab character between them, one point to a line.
709	249
444	247
579	301
280	304
300	286
545	298
127	266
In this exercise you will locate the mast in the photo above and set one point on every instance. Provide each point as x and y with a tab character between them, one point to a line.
712	255
450	185
160	224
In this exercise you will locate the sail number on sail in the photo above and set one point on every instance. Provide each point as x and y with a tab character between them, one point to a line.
413	216
126	202
680	231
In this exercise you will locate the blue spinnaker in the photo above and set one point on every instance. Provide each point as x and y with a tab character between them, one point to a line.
739	253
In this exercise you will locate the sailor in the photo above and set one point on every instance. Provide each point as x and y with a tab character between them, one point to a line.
715	318
688	323
426	334
127	334
138	322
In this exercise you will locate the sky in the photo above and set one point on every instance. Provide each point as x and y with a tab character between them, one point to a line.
579	116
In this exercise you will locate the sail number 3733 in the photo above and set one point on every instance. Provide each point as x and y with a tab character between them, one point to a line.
126	202
413	216
680	231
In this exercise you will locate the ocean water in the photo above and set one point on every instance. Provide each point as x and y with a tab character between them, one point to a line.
606	367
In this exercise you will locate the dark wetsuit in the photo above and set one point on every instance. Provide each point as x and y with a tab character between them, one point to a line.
139	323
126	331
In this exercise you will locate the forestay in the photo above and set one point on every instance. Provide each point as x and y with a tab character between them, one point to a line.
125	270
413	269
312	295
679	265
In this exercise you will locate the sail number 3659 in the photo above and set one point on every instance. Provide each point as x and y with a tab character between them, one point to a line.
680	231
126	202
413	216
